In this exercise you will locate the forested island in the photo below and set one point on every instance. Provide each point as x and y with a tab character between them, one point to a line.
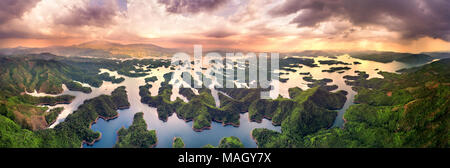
227	142
74	131
137	135
386	57
230	142
75	86
200	108
400	110
178	143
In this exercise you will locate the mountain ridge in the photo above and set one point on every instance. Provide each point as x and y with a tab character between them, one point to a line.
108	49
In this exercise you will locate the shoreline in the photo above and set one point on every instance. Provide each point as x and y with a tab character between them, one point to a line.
93	141
124	107
253	138
201	129
94	122
260	121
173	142
226	123
54	104
117	139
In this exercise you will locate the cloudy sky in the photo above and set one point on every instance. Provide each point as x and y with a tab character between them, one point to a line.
259	25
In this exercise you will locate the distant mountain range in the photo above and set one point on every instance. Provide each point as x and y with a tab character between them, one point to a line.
379	56
105	49
102	49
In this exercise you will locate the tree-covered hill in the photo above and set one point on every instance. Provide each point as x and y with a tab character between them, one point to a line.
137	135
386	57
400	110
73	132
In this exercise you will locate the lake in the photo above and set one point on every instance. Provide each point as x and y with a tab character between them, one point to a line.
175	127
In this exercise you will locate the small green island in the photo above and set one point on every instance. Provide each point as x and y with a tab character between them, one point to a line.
178	143
151	79
332	62
200	108
386	57
75	86
230	142
399	110
335	69
137	135
227	142
106	77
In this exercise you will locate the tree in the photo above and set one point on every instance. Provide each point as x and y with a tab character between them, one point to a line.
5	112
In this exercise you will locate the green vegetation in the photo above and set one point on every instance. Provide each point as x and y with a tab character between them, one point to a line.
75	86
24	111
400	110
294	62
386	57
46	73
332	62
187	92
307	112
360	76
209	146
51	116
227	142
106	77
13	136
284	80
334	69
321	83
76	127
151	79
303	102
27	73
46	100
178	143
288	69
120	98
5	112
200	108
438	55
130	68
137	135
70	133
162	101
47	76
230	142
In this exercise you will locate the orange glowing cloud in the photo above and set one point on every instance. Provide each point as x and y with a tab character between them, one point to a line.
257	25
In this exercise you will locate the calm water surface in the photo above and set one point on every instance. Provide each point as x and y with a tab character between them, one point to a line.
175	127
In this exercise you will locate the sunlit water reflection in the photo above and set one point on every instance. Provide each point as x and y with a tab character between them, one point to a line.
175	127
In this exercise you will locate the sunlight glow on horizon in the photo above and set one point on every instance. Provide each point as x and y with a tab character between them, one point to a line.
250	25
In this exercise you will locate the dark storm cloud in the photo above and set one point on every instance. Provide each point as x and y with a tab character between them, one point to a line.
412	18
14	34
97	13
191	6
12	9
